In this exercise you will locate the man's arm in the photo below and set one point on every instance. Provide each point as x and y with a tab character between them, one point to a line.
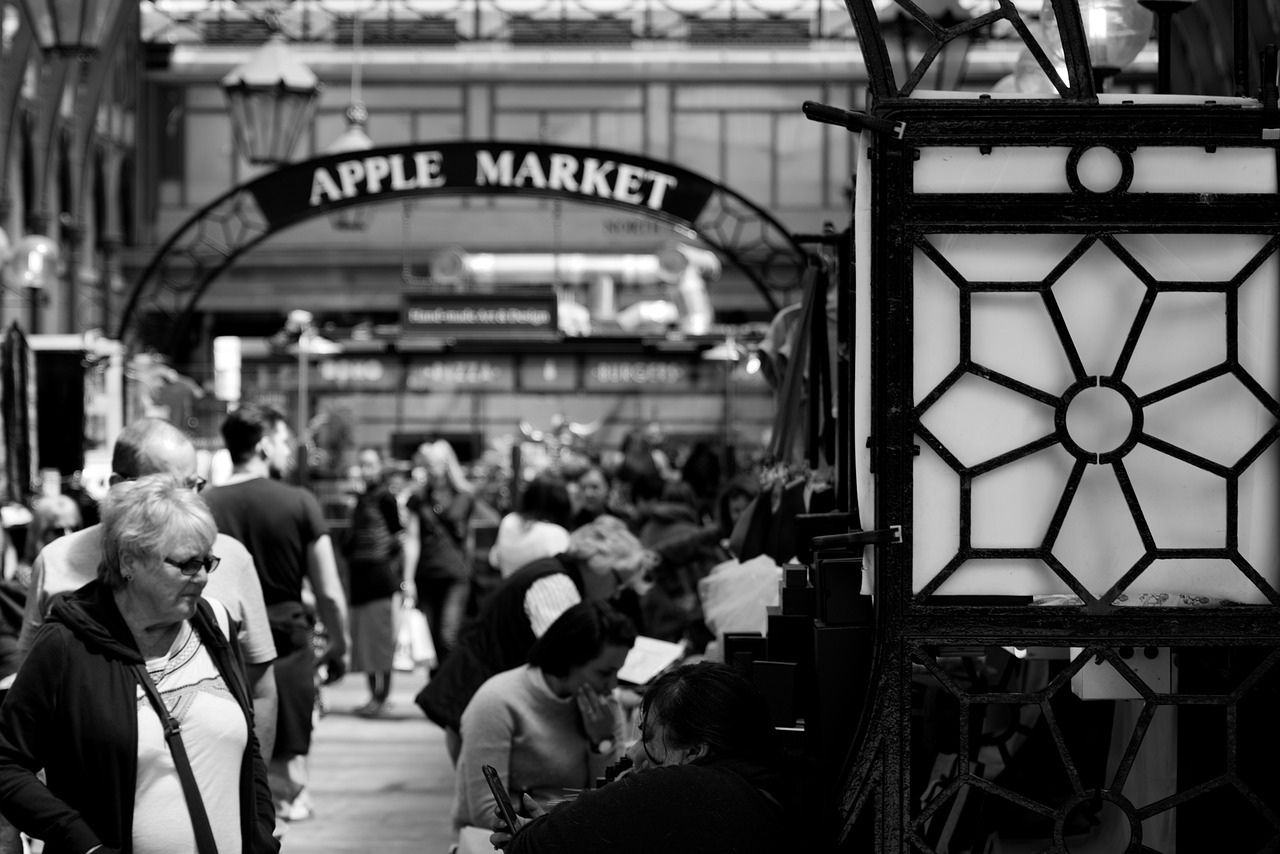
411	540
262	685
331	601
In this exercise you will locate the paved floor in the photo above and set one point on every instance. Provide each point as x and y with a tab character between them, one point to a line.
378	785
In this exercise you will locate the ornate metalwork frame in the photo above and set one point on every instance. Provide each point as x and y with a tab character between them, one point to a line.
924	637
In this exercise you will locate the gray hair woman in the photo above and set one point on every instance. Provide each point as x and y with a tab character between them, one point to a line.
113	762
602	559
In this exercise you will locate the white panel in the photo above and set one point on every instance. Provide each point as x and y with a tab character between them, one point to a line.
1012	333
1184	169
1212	579
1259	509
977	420
1192	257
1099	297
1004	257
1219	420
1185	333
1003	578
1007	170
1013	505
936	507
1185	507
1099	541
1259	331
937	326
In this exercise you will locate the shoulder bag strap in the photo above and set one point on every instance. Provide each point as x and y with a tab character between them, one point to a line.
173	735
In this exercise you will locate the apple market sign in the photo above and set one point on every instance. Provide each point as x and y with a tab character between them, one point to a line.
625	181
162	303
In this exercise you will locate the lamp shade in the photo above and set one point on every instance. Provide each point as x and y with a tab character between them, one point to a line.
34	263
1116	31
272	99
354	138
70	27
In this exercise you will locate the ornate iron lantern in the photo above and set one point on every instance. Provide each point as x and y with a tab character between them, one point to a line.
272	98
354	138
70	27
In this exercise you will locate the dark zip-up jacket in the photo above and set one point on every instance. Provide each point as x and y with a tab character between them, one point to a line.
73	712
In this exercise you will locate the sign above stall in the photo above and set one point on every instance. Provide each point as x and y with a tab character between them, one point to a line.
488	374
520	314
511	168
612	373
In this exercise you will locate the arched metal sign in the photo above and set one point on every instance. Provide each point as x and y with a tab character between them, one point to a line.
213	238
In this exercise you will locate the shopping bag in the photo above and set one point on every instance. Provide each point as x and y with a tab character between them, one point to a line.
414	647
736	595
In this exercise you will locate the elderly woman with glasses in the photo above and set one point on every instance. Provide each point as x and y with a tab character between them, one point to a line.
133	701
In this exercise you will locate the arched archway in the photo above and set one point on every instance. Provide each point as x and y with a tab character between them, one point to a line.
213	238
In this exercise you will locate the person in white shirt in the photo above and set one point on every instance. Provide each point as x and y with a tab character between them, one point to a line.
538	529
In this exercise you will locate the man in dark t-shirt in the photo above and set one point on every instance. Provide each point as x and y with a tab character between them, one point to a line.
283	528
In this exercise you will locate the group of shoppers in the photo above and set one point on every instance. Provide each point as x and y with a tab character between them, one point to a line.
165	681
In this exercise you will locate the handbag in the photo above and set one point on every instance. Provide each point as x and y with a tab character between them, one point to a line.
190	790
414	647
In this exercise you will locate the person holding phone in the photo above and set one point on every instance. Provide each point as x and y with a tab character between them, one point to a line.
551	726
707	777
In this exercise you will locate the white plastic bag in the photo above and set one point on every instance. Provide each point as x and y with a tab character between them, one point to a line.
735	595
414	647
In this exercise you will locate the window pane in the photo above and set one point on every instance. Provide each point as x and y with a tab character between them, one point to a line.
749	161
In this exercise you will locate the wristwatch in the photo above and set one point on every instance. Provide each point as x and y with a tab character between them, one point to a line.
604	745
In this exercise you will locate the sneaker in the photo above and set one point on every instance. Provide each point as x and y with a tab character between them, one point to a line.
373	709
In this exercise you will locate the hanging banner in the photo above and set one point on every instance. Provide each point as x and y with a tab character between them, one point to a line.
504	168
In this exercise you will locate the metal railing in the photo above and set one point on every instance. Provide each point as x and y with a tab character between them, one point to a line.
514	22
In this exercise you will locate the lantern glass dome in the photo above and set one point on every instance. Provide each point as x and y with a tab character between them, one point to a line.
272	99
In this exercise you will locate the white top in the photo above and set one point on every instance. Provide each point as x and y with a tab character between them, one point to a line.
520	542
214	732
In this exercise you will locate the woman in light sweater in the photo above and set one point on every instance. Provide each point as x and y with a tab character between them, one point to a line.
550	725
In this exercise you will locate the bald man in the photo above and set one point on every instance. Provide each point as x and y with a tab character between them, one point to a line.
154	446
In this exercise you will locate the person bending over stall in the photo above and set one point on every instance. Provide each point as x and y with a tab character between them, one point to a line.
114	661
707	778
549	726
602	559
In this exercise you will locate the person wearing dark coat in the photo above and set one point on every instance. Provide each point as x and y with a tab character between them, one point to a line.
707	777
74	710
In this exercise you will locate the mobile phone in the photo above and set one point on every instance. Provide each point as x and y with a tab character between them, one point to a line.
499	790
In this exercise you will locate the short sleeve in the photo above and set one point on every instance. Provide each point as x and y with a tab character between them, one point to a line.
390	511
313	518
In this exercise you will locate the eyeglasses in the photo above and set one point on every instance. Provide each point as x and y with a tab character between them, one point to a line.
195	482
192	566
